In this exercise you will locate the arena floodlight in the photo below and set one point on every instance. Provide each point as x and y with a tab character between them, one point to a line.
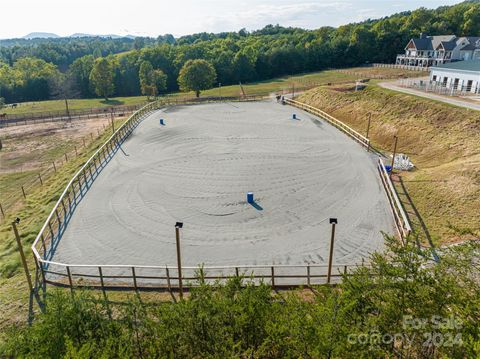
179	225
333	220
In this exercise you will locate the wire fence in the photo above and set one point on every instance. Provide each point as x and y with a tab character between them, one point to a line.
36	178
7	120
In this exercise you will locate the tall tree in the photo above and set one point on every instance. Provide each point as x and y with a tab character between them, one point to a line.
197	75
101	78
81	69
151	81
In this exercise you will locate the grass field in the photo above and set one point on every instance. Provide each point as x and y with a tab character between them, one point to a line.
73	104
47	146
263	87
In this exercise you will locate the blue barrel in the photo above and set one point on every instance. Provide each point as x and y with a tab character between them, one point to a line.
388	168
294	116
250	197
161	122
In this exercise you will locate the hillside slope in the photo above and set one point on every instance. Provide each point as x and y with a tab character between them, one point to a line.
442	195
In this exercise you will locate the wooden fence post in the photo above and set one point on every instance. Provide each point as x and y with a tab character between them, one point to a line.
101	280
168	279
273	277
1	210
54	167
40	179
23	191
70	279
134	279
22	254
308	275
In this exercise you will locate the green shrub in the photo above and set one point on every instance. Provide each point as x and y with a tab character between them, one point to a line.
239	320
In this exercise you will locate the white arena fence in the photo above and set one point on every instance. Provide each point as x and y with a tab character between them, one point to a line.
402	223
333	121
141	277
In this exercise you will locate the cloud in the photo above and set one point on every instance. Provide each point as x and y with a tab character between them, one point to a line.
306	14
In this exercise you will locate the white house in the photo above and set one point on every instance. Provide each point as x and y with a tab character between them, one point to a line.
460	76
427	51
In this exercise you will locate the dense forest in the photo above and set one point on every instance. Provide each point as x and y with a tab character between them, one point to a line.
41	69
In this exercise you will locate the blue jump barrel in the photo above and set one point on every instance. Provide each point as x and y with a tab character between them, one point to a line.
250	197
162	122
294	116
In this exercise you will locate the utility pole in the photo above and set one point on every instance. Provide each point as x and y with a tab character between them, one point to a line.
66	108
219	89
333	222
179	225
394	153
22	254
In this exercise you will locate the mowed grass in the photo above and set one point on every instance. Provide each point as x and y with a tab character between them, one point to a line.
73	104
442	195
287	83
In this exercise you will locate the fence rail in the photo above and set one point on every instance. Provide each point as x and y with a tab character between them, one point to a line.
7	120
404	67
442	88
332	120
144	277
138	277
401	220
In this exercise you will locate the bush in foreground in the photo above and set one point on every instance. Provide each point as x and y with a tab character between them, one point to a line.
402	306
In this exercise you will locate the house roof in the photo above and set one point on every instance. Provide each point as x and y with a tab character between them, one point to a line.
471	65
432	42
474	44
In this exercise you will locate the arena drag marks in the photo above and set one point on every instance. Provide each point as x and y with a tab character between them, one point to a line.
197	169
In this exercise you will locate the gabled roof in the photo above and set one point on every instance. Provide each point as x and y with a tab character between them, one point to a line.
471	65
432	42
474	44
447	46
436	40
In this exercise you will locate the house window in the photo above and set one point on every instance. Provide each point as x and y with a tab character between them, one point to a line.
434	78
455	83
469	85
445	80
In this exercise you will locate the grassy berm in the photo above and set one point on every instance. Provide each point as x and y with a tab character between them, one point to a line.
442	194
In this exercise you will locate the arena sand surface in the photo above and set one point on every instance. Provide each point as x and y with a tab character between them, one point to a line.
198	168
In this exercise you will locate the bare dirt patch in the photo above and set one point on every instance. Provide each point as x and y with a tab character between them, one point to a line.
30	147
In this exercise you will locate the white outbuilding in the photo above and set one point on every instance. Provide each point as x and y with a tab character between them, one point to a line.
460	76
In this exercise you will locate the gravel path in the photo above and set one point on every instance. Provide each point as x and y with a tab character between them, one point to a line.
197	169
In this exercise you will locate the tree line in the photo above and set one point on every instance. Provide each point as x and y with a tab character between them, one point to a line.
152	66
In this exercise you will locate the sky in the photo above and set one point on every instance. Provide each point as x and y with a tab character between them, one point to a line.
182	17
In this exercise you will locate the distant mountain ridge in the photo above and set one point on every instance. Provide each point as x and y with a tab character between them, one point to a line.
49	35
40	35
